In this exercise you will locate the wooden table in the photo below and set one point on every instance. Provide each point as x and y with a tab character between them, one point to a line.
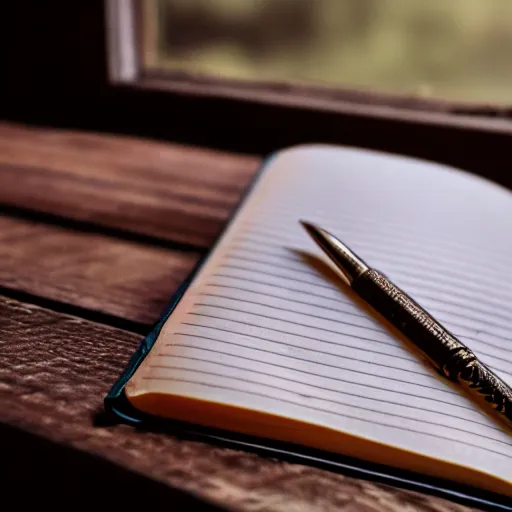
96	233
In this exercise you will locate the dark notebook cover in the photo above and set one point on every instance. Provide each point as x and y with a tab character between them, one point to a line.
118	406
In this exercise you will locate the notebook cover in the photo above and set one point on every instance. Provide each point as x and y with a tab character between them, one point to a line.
119	407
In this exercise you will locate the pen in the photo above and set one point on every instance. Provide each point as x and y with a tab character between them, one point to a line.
448	355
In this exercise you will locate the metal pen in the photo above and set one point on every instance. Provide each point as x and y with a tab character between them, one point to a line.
448	355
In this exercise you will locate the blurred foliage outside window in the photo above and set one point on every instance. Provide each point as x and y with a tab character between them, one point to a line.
453	49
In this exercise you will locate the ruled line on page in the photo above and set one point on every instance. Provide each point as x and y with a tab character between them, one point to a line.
360	223
393	252
311	294
257	260
364	398
310	407
320	352
369	325
443	275
315	327
342	322
338	343
317	340
298	290
425	277
336	402
302	371
337	298
402	232
406	262
323	307
314	282
291	231
287	310
442	315
348	335
418	294
355	314
298	265
462	300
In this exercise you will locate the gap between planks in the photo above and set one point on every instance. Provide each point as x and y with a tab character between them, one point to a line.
112	281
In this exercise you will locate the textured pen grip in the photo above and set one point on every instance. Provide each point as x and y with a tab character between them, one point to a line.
450	356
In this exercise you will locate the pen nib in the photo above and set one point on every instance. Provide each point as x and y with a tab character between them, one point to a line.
310	228
349	264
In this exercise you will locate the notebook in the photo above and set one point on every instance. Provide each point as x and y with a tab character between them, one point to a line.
265	340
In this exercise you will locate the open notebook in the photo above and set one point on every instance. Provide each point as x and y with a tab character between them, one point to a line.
267	341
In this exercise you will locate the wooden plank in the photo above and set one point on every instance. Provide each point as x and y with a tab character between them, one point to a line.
118	277
168	191
55	370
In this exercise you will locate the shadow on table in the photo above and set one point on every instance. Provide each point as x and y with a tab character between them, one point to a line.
45	475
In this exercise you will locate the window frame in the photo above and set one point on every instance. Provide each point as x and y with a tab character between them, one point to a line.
105	88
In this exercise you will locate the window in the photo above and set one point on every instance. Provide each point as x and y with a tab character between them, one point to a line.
122	66
451	49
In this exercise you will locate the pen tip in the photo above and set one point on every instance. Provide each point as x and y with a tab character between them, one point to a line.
314	231
310	228
350	265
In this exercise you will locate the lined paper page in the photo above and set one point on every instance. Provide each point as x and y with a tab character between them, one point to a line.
267	326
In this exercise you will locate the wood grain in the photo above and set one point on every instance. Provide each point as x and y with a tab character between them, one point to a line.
168	191
118	277
54	372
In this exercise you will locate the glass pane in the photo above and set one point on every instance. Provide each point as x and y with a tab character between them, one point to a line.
454	49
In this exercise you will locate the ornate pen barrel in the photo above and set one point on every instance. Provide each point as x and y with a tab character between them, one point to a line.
450	356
